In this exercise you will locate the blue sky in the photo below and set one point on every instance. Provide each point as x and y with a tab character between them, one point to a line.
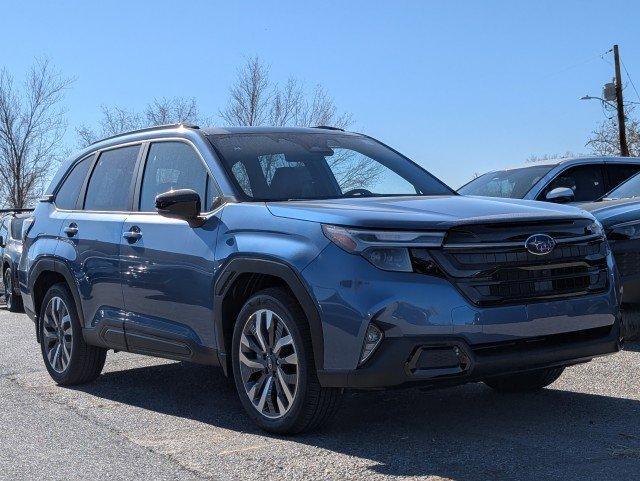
460	87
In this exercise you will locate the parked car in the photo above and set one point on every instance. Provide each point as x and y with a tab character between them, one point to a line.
619	213
305	261
10	251
580	179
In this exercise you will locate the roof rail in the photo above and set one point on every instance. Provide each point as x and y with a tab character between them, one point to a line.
149	129
15	211
328	127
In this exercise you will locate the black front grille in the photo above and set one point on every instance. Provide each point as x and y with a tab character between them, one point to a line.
501	273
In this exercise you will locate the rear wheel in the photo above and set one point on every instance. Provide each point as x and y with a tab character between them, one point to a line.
525	381
274	368
13	300
67	357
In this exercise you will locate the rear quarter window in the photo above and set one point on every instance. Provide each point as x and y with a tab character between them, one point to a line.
16	227
67	195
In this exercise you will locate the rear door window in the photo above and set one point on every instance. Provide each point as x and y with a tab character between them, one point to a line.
618	173
586	181
109	188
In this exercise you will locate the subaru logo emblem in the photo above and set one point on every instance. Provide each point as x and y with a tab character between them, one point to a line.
540	244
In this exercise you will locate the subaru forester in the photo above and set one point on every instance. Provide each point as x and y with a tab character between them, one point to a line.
304	261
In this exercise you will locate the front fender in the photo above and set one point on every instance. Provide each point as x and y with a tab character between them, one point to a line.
242	264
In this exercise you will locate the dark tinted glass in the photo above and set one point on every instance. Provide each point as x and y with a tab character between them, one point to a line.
4	229
631	188
585	181
293	165
618	173
110	184
171	166
16	227
68	193
512	183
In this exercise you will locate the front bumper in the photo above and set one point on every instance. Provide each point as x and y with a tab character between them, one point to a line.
405	362
415	310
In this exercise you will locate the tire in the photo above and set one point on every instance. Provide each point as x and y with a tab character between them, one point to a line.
84	363
631	322
293	401
13	300
525	381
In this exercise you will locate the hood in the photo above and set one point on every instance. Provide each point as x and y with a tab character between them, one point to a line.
422	212
613	212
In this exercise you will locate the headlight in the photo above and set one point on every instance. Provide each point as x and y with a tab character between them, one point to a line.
594	228
626	231
387	250
389	258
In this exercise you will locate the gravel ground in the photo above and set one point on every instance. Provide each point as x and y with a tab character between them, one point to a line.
152	419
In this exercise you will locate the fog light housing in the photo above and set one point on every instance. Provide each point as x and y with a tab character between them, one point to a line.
372	338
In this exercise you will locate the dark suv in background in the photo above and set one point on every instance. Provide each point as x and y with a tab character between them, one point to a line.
580	179
10	251
305	261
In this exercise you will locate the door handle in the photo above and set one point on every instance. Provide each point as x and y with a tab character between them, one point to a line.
133	234
71	230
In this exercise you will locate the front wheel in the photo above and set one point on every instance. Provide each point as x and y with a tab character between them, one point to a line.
525	381
13	300
273	366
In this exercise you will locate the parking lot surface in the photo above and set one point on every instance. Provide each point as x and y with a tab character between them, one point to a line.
152	419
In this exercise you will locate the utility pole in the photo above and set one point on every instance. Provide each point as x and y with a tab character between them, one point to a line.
624	149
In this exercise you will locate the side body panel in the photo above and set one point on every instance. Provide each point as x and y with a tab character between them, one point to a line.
92	256
167	279
40	245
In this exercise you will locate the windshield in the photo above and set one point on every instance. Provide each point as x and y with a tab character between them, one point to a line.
628	189
293	165
513	183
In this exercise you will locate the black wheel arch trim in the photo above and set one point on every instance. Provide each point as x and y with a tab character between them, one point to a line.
242	264
50	264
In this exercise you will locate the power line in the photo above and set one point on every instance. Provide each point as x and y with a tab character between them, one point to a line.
630	80
578	64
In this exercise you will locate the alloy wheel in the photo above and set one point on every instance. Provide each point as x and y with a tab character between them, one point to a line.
57	334
268	364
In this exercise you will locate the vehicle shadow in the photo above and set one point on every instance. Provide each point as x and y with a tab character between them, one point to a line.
462	433
632	346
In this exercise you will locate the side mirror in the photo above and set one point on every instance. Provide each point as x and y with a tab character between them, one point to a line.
560	195
180	204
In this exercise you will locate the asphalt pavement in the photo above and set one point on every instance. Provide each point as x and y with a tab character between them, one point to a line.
146	418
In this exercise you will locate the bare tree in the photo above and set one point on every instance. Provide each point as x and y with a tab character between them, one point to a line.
532	159
32	125
116	120
250	96
255	100
605	140
171	111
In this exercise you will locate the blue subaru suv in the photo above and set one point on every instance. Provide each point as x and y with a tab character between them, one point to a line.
304	261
